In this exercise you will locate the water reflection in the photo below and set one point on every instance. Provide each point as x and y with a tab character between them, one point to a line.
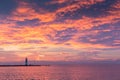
82	72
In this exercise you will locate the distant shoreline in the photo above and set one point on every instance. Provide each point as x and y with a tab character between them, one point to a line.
20	65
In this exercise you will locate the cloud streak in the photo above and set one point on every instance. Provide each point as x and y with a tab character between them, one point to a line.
56	26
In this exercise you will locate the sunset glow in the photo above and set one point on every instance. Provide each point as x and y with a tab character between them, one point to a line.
60	30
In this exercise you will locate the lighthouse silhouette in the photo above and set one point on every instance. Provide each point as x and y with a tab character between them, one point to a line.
26	62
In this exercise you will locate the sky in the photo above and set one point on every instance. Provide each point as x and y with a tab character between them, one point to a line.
60	30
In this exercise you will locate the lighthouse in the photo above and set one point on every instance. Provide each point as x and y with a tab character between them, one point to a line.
26	62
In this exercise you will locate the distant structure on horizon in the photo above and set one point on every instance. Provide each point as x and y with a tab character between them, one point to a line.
26	62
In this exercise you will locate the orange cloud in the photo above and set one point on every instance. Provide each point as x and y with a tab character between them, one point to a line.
25	11
49	32
79	4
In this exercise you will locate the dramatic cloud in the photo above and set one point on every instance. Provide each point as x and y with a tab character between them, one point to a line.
61	30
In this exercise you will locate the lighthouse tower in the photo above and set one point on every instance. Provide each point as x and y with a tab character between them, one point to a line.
26	62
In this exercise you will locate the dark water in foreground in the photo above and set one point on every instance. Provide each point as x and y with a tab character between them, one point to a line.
81	72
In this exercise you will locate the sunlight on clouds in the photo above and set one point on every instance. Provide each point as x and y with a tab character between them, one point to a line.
11	48
65	32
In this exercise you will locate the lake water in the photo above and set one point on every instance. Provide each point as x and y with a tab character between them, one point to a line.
79	72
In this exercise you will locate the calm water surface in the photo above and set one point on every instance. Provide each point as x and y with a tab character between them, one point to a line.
81	72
